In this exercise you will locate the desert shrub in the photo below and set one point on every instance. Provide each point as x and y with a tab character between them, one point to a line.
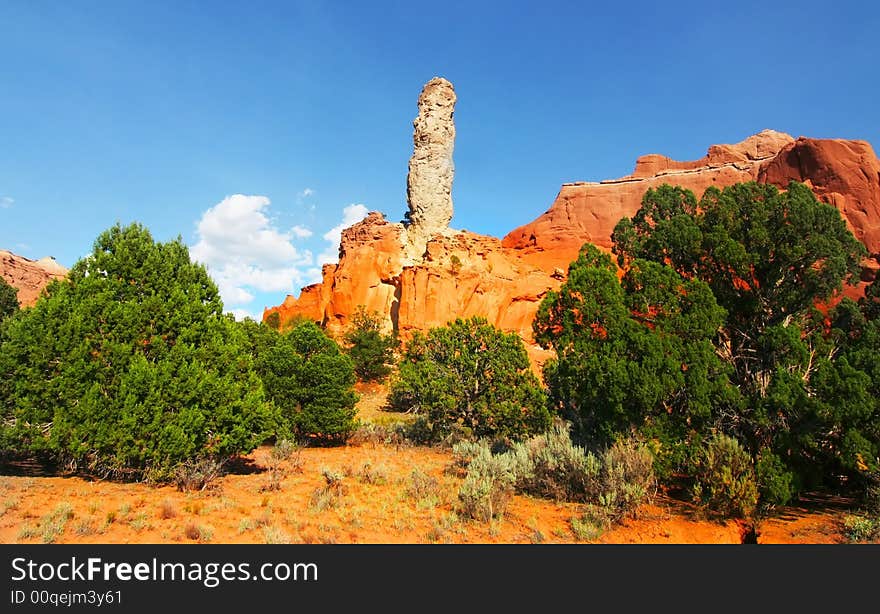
593	521
470	380
198	532
85	527
627	476
725	478
285	455
52	525
372	474
197	474
331	493
309	380
273	479
487	488
167	510
423	488
371	352
275	535
284	450
464	452
129	367
370	433
551	466
861	528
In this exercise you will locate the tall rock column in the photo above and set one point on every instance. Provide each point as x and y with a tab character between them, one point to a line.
429	182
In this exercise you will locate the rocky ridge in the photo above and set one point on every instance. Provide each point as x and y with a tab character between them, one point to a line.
463	274
29	276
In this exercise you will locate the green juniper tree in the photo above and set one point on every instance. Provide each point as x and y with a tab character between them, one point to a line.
371	352
309	380
634	355
752	263
469	378
129	367
8	299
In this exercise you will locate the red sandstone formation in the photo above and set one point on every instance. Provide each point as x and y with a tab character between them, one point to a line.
462	274
29	276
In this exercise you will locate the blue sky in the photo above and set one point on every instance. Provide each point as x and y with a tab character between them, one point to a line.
162	112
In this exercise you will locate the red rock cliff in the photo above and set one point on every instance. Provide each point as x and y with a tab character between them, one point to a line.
464	274
29	276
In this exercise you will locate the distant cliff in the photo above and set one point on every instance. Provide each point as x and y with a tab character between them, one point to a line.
422	273
29	276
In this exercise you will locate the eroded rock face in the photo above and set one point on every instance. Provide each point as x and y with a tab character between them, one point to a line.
29	276
461	274
431	170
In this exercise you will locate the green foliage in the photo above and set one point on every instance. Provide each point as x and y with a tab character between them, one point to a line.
713	328
766	254
371	352
725	478
768	257
469	379
273	321
861	528
775	481
634	353
129	367
8	299
627	477
551	466
309	380
488	486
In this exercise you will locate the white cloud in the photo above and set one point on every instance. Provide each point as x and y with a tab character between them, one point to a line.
301	232
352	214
6	202
241	314
243	249
306	193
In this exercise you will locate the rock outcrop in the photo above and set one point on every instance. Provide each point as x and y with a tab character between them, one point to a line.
29	276
462	274
845	174
431	170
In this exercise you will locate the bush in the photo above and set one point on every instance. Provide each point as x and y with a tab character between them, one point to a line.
487	489
308	378
551	466
129	367
370	351
8	299
712	327
197	474
464	452
590	525
423	488
331	493
627	476
861	528
775	482
470	380
725	478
